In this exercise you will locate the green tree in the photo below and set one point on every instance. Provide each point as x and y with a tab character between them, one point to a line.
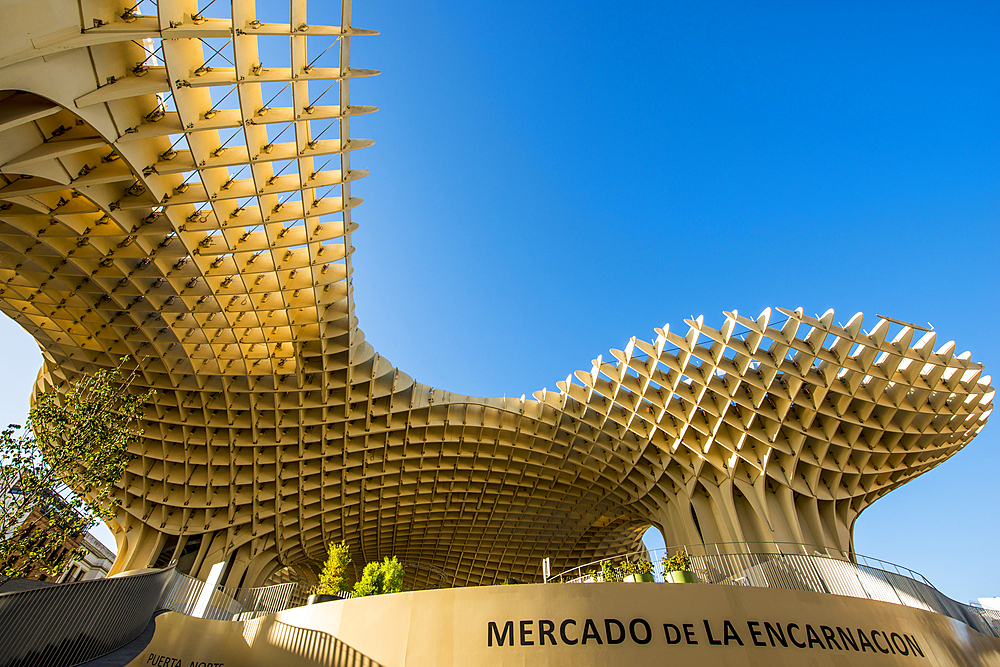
379	578
333	578
64	463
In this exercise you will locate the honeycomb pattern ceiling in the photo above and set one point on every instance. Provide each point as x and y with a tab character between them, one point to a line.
175	185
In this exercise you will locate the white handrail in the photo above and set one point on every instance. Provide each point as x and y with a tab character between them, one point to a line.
779	566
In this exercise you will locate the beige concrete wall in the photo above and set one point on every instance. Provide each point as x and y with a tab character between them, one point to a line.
688	624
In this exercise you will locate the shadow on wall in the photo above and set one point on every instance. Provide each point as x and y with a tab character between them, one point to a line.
314	646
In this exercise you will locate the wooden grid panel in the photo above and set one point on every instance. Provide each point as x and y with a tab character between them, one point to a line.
167	196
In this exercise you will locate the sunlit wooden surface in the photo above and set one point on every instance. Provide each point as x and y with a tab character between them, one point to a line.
176	186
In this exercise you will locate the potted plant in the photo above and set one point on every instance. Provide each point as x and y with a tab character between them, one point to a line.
639	571
677	569
609	572
333	578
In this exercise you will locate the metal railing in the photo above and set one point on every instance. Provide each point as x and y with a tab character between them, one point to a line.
231	604
796	567
69	624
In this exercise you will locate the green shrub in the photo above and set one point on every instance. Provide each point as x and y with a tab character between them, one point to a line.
393	575
379	578
644	567
627	569
608	571
333	578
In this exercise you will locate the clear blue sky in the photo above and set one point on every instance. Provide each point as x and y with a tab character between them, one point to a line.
550	179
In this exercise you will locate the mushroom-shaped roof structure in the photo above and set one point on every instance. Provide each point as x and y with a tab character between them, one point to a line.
167	193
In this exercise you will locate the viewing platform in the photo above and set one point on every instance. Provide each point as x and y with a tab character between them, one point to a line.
753	604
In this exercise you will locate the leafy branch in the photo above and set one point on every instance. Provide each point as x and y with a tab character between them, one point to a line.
58	472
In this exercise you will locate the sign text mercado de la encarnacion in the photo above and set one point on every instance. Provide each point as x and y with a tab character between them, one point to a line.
612	631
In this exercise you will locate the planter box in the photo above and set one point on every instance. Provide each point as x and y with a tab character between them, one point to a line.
680	577
317	599
640	578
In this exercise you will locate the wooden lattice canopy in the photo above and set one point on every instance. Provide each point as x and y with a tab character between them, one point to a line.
175	185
